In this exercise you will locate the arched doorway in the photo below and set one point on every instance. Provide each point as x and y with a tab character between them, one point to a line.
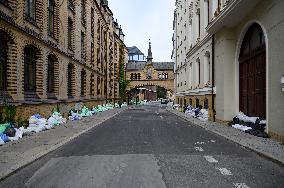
252	67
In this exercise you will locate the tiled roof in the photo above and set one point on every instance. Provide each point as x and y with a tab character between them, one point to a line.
134	51
139	65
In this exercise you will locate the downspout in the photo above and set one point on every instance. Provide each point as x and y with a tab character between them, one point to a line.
213	77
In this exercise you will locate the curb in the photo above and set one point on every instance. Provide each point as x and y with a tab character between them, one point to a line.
261	153
23	164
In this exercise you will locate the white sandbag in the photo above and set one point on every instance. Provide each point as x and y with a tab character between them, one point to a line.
1	142
244	118
33	120
241	127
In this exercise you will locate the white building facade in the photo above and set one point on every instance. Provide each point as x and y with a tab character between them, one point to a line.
249	45
192	54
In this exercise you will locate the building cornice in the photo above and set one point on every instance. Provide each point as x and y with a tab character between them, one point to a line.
231	14
198	45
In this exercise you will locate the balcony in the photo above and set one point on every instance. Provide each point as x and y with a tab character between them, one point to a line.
231	14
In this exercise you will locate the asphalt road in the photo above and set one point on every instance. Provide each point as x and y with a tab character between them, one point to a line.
147	147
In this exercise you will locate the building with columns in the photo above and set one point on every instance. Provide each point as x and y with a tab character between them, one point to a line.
192	54
54	54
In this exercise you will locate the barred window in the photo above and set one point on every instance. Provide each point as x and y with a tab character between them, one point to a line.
51	17
70	33
31	10
83	12
3	63
92	22
30	69
69	80
92	85
83	82
83	53
98	85
50	74
92	54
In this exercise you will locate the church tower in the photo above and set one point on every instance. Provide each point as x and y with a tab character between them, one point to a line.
149	57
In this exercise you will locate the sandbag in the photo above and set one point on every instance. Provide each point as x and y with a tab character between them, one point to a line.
3	127
10	132
4	137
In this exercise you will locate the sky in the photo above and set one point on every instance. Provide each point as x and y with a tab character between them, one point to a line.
142	20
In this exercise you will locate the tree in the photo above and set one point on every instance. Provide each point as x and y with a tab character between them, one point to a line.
123	83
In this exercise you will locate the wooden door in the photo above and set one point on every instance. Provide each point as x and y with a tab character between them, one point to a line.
253	73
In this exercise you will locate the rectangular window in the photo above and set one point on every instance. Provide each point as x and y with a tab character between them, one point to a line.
70	33
31	10
83	12
83	55
92	22
50	75
51	18
92	53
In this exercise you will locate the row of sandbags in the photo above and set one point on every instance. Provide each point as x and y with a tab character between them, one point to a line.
37	123
85	112
201	114
253	125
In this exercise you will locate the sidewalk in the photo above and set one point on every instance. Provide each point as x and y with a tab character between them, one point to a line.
17	154
263	146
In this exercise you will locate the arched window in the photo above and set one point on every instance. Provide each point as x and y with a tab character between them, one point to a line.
70	80
30	58
139	76
3	63
131	76
50	74
83	82
51	6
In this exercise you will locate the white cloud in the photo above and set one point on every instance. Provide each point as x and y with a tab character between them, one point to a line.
144	19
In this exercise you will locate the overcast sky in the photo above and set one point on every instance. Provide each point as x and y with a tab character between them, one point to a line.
142	20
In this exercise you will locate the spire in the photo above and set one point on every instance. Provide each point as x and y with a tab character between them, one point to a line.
149	57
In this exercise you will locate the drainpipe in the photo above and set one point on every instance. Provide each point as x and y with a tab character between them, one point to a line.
213	77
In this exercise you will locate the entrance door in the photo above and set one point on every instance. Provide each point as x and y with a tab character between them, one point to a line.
253	73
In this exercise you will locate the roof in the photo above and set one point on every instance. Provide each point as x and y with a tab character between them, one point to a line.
134	51
139	65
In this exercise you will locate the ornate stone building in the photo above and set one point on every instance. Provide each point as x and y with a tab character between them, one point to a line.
146	76
54	54
192	54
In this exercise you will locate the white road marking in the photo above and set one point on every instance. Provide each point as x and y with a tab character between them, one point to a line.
161	117
210	159
213	141
241	185
200	143
225	171
198	148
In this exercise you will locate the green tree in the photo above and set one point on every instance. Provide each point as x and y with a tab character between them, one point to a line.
123	83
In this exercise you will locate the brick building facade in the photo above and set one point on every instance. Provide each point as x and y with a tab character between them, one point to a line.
57	53
146	76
